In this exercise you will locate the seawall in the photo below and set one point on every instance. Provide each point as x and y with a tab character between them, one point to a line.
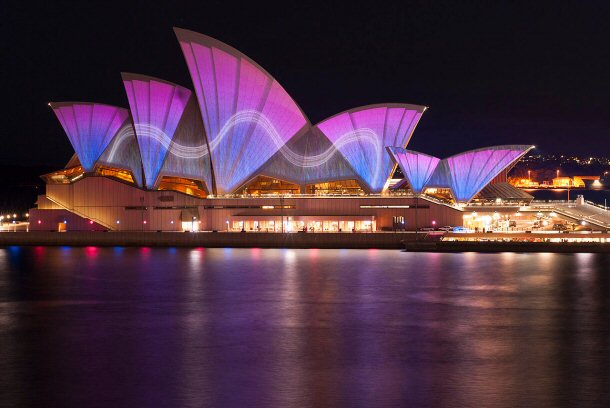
540	247
209	239
290	240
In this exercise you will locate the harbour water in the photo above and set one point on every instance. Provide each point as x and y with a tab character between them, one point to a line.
167	327
595	196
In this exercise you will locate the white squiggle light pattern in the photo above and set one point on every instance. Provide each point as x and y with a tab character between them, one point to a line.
251	116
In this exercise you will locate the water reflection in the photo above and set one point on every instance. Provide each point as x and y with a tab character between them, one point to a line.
275	328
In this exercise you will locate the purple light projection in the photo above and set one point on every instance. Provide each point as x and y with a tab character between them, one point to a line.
123	153
90	127
156	108
188	155
361	135
247	114
471	171
417	167
308	159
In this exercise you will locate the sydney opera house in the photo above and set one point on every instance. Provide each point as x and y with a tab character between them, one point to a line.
239	154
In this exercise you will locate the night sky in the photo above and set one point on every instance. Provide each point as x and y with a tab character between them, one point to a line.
503	73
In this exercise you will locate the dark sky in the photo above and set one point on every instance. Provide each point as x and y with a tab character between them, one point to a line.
491	74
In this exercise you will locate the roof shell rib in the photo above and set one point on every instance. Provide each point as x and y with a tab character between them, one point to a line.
308	159
156	109
123	153
417	167
469	172
361	135
189	155
247	114
90	127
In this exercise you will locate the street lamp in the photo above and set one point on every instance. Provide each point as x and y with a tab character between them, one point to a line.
416	216
282	211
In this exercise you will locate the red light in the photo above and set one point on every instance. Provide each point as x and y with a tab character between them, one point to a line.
144	222
40	222
90	221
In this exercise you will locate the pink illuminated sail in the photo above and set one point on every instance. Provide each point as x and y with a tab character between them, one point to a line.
247	114
362	134
156	109
466	174
90	127
416	167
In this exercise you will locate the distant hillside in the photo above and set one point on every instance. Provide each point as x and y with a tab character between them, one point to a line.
20	187
546	169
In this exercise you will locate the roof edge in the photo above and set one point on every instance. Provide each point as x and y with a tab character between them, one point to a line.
130	76
418	108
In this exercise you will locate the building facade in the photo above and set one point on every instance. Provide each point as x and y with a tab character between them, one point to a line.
239	154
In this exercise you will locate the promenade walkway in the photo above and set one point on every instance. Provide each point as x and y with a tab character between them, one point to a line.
586	211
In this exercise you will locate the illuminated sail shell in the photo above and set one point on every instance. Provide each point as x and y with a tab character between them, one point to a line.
156	109
362	134
469	172
416	167
90	127
309	159
247	114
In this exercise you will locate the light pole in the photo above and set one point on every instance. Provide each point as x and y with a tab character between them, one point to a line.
416	216
282	211
142	212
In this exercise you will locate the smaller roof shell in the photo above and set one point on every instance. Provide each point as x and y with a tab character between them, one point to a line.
417	167
90	127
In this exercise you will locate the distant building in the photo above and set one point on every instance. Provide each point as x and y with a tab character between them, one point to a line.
238	153
564	182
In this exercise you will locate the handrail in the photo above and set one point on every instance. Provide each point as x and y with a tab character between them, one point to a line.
79	213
